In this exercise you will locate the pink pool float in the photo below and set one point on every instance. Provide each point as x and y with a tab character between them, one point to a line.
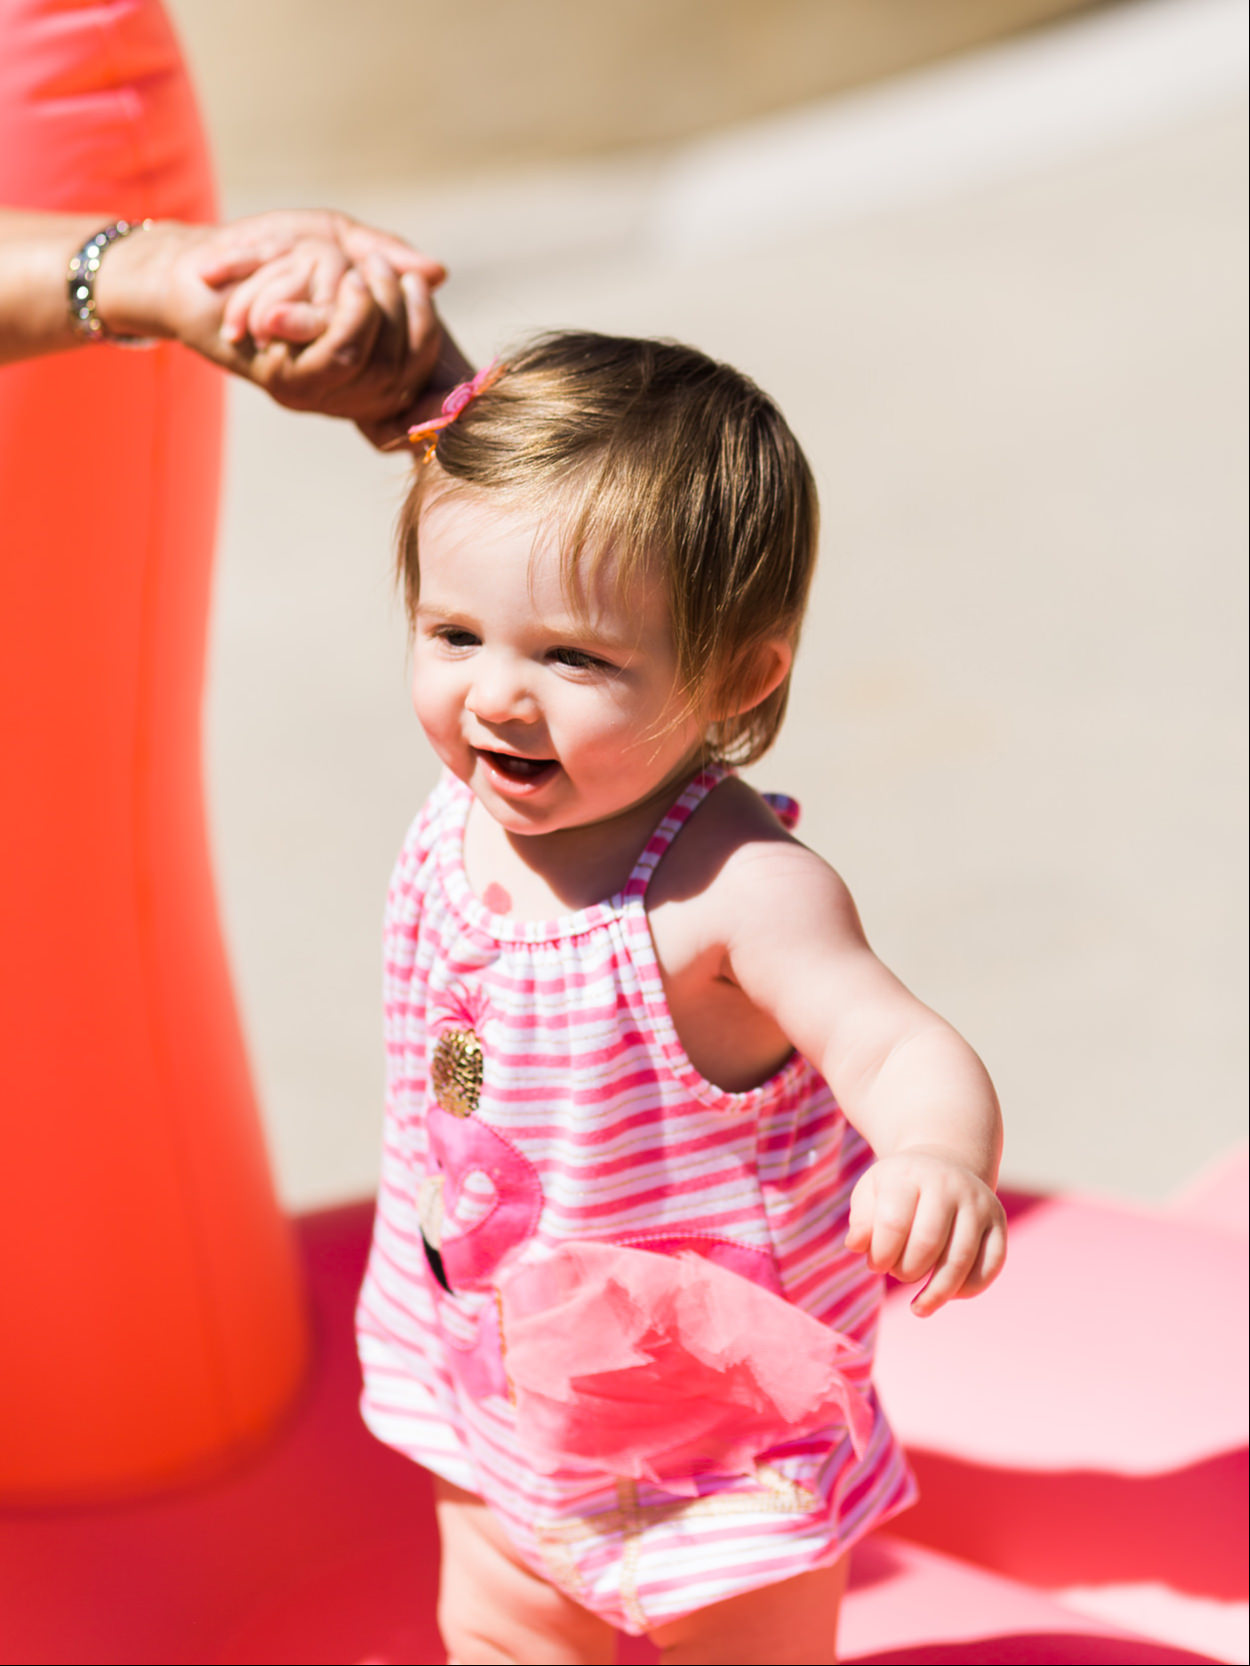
321	1546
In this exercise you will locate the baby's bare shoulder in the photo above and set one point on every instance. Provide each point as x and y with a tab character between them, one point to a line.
736	867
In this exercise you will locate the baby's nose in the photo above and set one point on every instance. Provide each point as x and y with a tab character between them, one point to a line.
501	691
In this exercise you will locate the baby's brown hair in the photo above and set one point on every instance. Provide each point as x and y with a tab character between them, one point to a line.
656	453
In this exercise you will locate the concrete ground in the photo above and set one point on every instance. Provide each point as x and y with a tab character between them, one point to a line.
1003	303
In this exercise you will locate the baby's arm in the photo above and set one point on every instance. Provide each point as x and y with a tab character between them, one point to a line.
910	1084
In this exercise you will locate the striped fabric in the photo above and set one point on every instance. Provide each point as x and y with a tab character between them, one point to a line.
589	1122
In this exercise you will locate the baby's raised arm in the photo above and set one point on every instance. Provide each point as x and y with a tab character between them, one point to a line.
910	1084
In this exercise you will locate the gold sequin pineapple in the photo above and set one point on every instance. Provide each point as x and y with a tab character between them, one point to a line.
456	1072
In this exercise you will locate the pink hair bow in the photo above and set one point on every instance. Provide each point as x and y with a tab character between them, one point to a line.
454	403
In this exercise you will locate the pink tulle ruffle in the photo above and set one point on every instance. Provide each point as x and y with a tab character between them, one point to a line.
666	1368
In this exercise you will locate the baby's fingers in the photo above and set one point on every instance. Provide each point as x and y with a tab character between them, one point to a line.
890	1212
297	308
973	1258
301	302
991	1258
859	1215
929	1237
277	280
294	321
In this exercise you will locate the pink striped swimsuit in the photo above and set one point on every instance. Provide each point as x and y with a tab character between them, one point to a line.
545	1137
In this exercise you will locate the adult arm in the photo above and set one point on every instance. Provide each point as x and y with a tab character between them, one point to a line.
366	342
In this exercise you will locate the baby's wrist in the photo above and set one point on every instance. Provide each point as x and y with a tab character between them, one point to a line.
976	1163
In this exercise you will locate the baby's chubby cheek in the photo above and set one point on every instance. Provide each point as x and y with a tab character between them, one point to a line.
442	734
434	712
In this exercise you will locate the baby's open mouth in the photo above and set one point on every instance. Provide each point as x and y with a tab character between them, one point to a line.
518	769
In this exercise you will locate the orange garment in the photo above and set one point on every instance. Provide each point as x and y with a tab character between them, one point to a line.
149	1304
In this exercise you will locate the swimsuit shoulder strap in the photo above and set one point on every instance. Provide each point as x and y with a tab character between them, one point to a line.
678	814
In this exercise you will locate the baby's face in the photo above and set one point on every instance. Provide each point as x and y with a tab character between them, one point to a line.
554	719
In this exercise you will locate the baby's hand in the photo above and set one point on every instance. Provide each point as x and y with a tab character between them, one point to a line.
920	1212
289	296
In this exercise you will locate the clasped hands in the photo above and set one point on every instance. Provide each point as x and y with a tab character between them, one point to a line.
322	312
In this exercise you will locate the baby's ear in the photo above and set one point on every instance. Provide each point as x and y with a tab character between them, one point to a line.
753	677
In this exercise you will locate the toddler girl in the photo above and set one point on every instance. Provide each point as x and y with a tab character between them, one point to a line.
631	1236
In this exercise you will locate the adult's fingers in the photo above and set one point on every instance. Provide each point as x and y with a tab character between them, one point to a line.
326	273
387	426
419	316
269	369
217	266
361	241
426	341
238	249
391	347
336	357
282	369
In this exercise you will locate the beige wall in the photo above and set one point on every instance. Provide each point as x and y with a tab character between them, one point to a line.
388	91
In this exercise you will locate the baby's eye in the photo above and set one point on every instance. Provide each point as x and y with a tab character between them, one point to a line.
577	659
455	636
